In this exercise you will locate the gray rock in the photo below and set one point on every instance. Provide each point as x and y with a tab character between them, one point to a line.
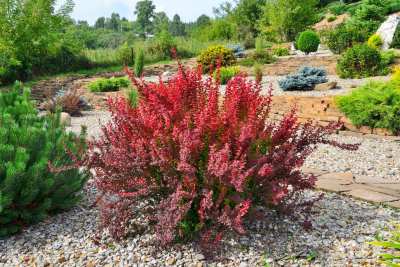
167	74
199	257
387	30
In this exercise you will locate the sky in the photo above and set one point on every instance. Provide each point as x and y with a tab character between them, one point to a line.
188	10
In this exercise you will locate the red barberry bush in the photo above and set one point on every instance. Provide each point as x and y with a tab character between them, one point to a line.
70	101
191	164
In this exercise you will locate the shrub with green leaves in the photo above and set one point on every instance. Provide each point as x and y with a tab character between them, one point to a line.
296	40
359	61
375	41
108	85
387	58
374	104
281	51
330	19
29	190
126	54
246	62
211	56
308	42
226	73
304	79
396	39
344	37
338	9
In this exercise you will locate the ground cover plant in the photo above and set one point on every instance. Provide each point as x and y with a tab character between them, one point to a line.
192	162
375	41
29	190
330	19
304	79
71	101
374	104
108	85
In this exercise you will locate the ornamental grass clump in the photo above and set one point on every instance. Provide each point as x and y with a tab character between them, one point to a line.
191	160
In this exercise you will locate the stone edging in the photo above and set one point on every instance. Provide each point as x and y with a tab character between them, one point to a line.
370	189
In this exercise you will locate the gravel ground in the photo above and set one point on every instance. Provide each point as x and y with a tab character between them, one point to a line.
341	225
340	229
343	86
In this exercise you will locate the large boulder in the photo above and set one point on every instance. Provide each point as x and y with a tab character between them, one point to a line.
387	29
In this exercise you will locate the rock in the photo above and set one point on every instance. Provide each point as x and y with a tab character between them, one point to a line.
325	86
171	261
65	117
167	74
243	264
62	259
387	29
199	257
275	56
292	48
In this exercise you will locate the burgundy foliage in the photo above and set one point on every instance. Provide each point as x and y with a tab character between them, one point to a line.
192	161
69	102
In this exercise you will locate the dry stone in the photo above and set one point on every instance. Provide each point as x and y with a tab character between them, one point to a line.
387	29
65	117
325	86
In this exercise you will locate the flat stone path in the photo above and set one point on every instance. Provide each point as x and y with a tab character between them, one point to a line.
370	189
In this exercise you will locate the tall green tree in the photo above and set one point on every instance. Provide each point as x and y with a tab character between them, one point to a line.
144	11
29	33
160	18
100	23
203	20
176	27
282	19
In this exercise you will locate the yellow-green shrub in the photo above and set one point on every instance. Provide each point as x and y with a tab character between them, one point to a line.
211	55
226	73
375	41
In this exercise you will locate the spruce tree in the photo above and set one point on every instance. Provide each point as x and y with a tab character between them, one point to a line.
29	190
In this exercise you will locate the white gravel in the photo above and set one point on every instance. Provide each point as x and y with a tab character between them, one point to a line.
340	229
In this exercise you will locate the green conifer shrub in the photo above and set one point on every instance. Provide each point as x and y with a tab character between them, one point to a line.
374	104
304	79
226	73
308	42
29	190
139	62
258	72
344	37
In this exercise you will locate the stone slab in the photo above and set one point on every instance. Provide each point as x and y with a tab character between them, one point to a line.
316	172
370	196
363	179
332	185
385	189
346	177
